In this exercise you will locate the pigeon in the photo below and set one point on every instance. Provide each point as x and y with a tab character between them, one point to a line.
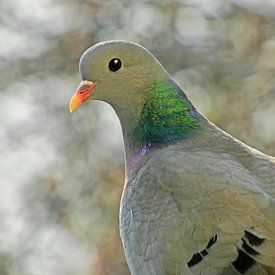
195	200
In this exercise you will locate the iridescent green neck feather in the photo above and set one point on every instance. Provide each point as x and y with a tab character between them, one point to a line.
166	117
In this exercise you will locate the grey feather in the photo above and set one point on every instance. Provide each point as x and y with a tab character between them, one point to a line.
198	204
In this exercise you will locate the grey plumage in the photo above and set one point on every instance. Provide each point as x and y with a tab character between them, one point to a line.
189	192
195	200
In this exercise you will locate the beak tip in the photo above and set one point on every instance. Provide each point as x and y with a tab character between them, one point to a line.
70	108
74	103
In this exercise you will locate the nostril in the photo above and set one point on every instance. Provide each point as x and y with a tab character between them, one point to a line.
84	90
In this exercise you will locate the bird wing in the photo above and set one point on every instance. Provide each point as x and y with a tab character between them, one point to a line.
232	217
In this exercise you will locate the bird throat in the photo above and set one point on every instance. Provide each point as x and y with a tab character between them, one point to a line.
167	116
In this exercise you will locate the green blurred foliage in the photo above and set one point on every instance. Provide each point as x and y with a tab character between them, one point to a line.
62	175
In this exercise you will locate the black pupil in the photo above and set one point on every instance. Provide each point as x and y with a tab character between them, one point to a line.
114	64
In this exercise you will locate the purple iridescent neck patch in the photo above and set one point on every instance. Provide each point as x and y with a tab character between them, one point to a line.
141	153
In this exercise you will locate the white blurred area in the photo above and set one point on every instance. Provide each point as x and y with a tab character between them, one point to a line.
61	175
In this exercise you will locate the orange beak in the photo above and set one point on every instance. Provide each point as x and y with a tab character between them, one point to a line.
82	94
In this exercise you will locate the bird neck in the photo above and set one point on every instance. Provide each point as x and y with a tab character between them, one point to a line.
166	117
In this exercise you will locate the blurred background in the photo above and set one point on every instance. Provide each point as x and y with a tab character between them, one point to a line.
61	175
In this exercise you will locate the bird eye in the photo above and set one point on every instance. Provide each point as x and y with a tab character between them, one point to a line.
115	64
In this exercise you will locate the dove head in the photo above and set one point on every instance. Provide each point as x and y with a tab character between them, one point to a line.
152	109
117	72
